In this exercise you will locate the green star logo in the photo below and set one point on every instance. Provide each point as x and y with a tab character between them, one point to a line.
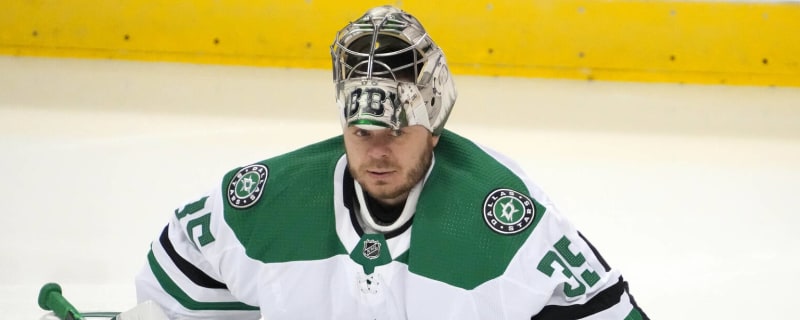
509	212
247	186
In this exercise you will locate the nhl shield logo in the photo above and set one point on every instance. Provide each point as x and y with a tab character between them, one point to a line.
372	249
508	212
247	186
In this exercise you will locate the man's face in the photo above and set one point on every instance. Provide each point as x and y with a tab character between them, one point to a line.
389	163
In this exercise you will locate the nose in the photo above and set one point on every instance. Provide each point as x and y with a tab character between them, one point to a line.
379	147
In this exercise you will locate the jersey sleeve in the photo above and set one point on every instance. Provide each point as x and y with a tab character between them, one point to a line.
569	273
560	266
581	284
183	272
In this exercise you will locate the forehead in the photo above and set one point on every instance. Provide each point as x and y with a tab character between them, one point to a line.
411	138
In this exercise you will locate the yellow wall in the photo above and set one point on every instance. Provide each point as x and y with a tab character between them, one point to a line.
660	40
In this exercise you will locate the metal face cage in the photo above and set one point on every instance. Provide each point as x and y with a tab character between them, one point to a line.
384	48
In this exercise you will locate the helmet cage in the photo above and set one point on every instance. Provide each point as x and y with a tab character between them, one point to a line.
389	44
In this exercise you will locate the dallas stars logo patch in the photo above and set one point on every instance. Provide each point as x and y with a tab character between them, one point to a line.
247	185
507	211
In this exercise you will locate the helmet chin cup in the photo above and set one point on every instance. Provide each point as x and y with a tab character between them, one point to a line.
388	73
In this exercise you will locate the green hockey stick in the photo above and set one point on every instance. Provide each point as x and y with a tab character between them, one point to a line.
51	299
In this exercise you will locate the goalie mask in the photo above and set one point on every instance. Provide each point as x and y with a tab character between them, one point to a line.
390	74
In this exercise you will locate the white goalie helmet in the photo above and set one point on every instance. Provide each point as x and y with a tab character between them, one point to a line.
390	74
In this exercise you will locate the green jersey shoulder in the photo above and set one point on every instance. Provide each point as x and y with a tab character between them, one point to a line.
281	209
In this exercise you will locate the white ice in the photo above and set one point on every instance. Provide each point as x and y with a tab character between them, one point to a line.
691	190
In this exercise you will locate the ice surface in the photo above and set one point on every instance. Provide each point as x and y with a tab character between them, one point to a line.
689	190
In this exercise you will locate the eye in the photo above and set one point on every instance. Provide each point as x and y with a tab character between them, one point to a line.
361	133
397	133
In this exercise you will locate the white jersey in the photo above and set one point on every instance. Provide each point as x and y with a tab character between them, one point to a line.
281	239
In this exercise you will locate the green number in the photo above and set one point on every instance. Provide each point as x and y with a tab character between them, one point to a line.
546	267
191	208
562	246
574	260
205	229
203	221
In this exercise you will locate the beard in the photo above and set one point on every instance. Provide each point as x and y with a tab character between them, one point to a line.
383	190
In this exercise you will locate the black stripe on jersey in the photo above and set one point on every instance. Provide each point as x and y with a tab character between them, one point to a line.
608	268
602	301
595	252
633	302
197	276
